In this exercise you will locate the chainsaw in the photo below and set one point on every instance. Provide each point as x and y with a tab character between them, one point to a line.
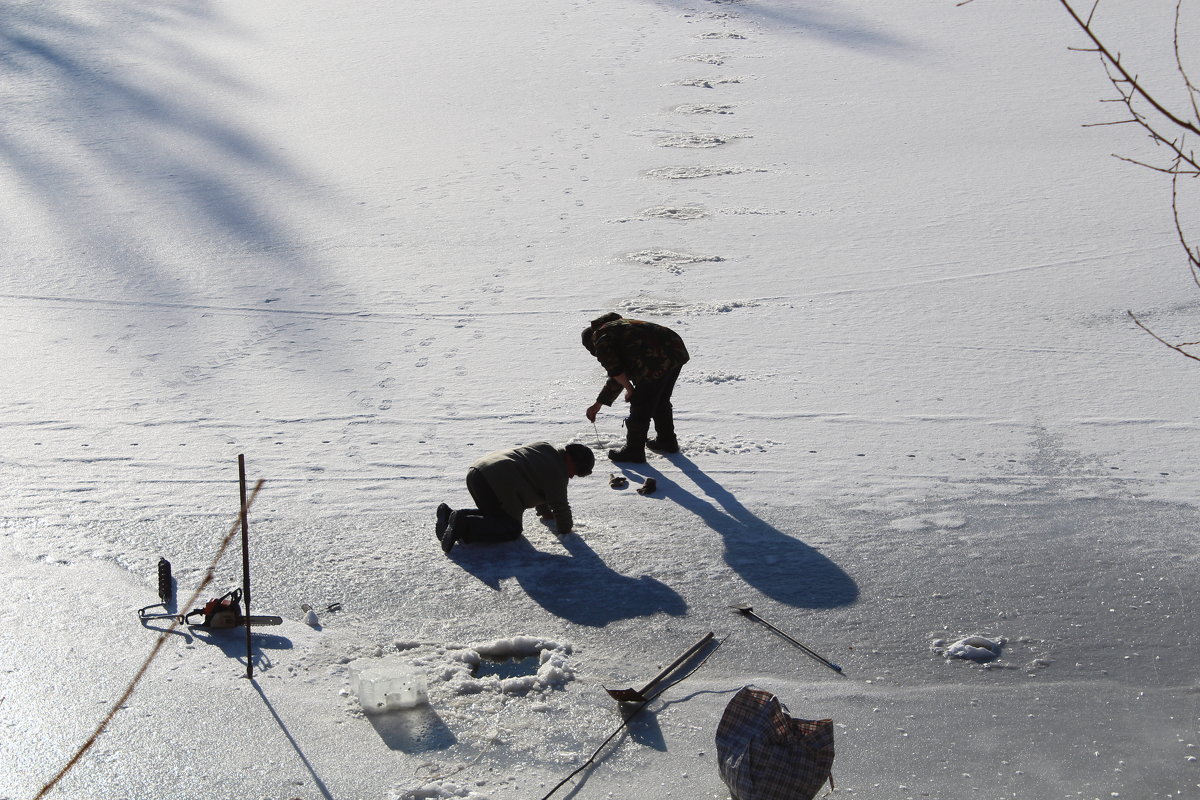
225	612
220	613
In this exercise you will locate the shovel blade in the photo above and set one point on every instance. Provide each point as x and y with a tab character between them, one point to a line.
626	695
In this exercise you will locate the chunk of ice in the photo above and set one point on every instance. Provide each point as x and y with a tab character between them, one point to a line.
389	687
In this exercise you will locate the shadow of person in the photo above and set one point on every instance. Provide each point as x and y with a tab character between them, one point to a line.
577	586
778	565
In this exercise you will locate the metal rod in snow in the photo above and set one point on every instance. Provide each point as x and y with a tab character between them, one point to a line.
748	611
245	561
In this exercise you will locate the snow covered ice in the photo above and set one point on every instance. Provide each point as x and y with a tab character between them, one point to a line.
358	244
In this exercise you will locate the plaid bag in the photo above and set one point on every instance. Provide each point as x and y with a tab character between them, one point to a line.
764	754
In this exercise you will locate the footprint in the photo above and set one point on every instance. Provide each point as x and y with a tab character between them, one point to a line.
422	361
664	308
675	212
704	108
717	60
693	140
707	83
670	260
721	35
715	377
683	173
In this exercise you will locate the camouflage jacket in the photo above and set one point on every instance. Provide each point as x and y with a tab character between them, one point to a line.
641	350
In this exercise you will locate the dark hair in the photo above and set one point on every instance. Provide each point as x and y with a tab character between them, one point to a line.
582	458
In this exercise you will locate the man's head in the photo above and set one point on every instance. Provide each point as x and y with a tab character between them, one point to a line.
581	459
589	333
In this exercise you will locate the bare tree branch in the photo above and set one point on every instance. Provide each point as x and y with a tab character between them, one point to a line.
1178	348
1187	79
1192	254
1156	120
1115	61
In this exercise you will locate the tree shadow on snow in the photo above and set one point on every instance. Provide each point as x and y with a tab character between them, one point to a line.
824	20
578	587
778	565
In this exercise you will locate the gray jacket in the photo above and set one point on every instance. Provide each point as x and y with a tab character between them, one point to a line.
529	476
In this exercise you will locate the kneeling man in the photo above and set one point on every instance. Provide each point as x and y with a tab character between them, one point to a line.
505	483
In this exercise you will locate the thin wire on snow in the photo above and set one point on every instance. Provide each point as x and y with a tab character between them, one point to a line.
625	723
162	639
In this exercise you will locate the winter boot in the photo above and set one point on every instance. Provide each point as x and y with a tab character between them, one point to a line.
634	451
443	519
628	455
456	525
664	444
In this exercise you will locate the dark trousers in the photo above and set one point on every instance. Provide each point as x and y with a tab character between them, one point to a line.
487	522
651	402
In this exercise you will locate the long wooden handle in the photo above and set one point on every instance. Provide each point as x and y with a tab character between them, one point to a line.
674	664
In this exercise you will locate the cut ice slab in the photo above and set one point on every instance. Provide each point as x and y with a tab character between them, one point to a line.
389	687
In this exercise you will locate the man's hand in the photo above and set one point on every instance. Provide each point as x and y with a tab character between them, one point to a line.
592	411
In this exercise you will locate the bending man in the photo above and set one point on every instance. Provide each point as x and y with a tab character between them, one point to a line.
644	359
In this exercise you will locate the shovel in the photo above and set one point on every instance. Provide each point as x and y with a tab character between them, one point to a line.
639	696
748	611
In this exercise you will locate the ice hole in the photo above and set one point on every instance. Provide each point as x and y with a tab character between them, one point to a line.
504	668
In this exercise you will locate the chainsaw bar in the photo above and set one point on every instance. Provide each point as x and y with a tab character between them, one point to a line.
220	613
